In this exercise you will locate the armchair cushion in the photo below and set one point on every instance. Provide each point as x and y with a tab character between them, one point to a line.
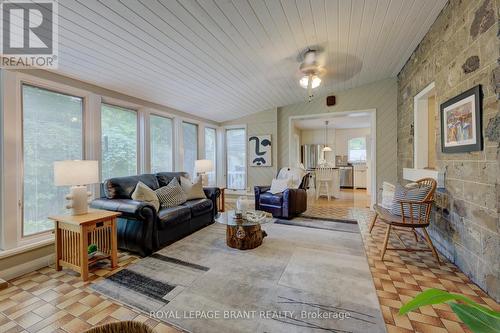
199	206
173	216
268	198
404	194
279	185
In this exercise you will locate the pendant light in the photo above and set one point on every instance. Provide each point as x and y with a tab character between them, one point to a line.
326	148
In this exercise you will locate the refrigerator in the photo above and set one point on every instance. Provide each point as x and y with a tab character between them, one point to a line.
311	154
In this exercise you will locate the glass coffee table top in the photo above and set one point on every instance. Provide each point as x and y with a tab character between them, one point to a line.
227	218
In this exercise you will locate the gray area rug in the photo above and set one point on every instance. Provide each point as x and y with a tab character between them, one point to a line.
299	280
343	225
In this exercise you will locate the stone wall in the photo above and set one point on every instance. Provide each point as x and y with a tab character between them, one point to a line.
460	51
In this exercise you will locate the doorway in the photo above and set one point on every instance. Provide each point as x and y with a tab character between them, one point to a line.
345	141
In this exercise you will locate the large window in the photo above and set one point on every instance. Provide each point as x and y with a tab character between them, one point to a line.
211	152
190	144
52	131
236	158
161	143
357	149
119	141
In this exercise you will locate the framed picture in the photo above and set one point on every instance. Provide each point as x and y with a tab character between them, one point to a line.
461	128
260	150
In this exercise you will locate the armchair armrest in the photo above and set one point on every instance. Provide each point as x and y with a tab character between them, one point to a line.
128	207
136	226
294	202
213	193
261	189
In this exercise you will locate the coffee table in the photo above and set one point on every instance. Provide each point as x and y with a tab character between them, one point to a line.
243	234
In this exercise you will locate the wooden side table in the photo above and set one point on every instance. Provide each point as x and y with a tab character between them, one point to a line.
74	233
222	199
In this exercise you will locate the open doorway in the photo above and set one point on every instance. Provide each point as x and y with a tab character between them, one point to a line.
344	142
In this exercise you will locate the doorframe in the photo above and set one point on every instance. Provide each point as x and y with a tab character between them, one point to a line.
373	145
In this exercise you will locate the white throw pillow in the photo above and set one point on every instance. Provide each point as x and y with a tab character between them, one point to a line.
279	185
193	190
143	193
388	191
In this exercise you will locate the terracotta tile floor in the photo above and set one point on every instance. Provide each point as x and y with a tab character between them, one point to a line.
50	301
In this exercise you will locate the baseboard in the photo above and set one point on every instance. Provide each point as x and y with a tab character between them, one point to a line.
27	267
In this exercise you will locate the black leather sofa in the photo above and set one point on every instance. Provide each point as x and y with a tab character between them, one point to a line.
143	230
287	204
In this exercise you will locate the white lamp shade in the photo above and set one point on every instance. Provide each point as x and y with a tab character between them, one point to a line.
76	172
202	166
327	148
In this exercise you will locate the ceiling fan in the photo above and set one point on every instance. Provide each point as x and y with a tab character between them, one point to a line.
311	70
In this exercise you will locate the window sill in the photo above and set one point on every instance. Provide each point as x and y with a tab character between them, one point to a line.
416	174
26	248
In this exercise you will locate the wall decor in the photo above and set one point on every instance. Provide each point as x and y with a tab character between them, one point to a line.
461	125
260	150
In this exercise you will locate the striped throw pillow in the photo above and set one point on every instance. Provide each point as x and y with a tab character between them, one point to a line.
414	194
171	195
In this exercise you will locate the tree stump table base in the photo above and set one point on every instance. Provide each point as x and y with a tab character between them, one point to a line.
244	237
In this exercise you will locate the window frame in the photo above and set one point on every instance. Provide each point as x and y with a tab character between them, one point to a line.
139	151
216	150
148	135
181	129
21	156
226	173
349	150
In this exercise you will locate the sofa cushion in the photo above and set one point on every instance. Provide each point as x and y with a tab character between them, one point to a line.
267	198
123	187
143	193
193	190
164	178
199	206
168	217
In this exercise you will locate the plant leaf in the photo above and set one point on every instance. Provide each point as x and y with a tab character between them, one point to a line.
475	319
427	297
435	296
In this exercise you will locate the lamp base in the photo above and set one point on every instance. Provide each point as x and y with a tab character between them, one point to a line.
204	179
78	197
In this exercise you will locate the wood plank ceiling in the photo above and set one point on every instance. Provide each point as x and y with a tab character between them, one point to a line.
223	59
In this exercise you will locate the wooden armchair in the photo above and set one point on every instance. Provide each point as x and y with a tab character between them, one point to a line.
419	217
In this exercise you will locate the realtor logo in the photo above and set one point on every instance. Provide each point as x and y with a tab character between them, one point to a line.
29	34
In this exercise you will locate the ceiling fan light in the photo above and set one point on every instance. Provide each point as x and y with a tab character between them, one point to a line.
304	81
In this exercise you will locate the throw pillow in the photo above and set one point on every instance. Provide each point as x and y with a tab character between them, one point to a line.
279	185
171	195
388	190
144	193
402	193
193	190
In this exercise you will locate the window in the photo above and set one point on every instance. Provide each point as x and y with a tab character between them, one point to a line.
190	137
160	129
211	152
52	131
357	149
236	158
119	141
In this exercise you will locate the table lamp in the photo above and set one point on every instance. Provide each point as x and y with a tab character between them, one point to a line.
77	174
202	167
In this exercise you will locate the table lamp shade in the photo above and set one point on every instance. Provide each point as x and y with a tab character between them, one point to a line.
203	166
76	172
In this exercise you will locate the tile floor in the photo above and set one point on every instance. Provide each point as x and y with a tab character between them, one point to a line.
51	301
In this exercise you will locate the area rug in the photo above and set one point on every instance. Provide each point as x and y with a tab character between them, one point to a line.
299	280
343	225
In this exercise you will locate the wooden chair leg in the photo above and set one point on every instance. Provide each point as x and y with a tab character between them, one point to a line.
415	234
386	241
399	238
318	186
433	249
373	222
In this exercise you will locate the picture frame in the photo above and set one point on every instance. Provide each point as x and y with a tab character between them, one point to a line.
461	122
260	152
